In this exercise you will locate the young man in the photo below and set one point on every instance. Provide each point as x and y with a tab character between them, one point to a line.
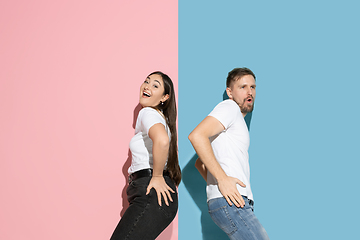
222	141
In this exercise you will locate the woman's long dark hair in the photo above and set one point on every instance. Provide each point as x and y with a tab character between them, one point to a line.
169	110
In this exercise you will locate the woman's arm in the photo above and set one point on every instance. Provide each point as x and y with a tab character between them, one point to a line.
160	149
200	166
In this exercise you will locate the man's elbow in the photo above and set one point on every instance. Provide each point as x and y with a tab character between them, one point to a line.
193	136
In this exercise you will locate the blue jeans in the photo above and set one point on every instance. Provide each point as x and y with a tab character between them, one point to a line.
237	223
145	219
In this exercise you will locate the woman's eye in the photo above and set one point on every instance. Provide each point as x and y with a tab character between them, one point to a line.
156	86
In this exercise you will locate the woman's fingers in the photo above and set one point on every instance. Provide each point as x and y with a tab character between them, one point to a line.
170	189
162	190
148	189
169	195
166	195
159	197
165	198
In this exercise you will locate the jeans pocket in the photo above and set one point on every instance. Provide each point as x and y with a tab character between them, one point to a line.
222	218
169	211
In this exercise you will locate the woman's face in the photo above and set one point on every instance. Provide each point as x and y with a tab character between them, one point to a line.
152	91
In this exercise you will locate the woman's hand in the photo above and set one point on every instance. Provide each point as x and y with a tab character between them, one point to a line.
161	188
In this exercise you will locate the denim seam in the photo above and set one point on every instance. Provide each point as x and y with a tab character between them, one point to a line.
233	225
242	219
137	219
231	221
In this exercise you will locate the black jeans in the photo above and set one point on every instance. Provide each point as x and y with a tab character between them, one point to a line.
144	218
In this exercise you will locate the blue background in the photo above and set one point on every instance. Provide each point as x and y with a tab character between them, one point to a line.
304	131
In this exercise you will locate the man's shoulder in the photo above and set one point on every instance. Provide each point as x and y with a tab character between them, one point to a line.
226	112
228	104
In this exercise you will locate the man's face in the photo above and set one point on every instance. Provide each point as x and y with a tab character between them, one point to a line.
243	92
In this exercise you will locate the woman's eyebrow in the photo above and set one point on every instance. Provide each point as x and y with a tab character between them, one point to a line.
157	81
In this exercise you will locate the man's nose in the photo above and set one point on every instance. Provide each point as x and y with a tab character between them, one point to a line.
249	91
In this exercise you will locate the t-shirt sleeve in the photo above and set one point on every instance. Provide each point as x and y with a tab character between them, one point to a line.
225	112
150	117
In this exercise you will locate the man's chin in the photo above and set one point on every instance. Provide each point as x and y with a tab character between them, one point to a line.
247	109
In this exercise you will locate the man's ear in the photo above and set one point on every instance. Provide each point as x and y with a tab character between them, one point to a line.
228	92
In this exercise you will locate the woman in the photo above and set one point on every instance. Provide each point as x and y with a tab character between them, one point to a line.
154	171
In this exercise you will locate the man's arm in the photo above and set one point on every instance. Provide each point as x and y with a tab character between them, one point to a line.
200	166
199	138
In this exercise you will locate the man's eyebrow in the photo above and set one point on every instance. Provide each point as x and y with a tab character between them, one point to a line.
246	84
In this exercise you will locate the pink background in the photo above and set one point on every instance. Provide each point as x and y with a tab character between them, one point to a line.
70	77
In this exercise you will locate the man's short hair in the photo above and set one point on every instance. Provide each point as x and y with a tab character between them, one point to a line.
238	73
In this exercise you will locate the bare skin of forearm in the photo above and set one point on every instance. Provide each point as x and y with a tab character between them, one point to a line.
160	154
205	152
199	138
226	184
200	166
160	150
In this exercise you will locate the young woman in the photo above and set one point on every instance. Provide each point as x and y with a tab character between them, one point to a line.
154	171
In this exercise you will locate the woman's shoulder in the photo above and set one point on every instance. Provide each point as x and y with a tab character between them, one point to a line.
149	112
149	116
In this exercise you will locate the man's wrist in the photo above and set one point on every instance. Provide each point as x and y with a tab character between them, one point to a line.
221	177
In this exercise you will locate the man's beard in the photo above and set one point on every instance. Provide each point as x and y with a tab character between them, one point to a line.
245	107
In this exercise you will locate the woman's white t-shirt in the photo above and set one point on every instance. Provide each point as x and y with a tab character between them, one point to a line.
141	144
230	148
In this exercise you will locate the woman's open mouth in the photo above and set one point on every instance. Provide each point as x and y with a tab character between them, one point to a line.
145	94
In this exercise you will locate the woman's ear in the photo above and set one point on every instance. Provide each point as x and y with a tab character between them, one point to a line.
165	97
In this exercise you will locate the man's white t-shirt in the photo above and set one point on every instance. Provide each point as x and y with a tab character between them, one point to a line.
230	148
141	144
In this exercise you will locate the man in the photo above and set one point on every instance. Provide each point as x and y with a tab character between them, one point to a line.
221	141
